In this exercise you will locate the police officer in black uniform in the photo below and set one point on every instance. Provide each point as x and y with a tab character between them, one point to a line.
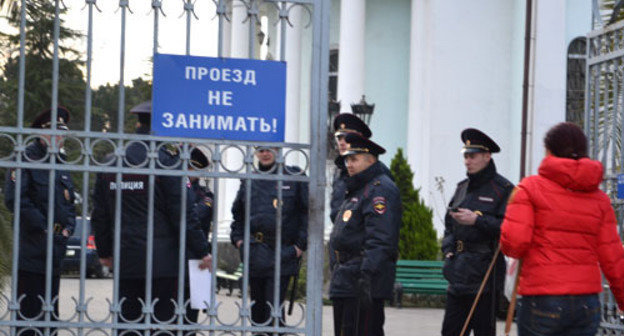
34	220
202	199
263	221
344	123
472	228
365	237
134	221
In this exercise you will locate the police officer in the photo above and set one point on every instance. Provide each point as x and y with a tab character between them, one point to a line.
202	200
365	238
344	123
34	220
263	221
472	227
134	221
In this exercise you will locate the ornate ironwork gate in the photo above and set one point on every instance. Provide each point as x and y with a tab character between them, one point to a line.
86	314
604	126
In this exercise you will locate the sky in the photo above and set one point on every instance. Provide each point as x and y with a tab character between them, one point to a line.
139	35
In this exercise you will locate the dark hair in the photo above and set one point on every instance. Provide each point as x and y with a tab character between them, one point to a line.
566	140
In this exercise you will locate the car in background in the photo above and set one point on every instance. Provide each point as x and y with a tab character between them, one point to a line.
71	262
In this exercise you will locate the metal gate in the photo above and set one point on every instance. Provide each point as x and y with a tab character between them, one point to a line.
604	126
80	317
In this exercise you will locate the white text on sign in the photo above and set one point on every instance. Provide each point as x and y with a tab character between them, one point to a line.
219	122
248	77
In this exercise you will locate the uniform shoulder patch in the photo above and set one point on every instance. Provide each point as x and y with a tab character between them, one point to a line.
376	183
379	205
208	201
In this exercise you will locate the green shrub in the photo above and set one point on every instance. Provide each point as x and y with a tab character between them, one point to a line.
417	238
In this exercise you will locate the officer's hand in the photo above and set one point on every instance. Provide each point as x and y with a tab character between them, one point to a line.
298	250
65	233
364	290
206	263
239	243
449	255
464	216
108	262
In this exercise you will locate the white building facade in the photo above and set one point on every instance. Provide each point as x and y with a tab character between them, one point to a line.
432	68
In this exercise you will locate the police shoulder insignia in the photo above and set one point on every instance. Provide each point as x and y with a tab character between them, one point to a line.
172	150
379	205
346	216
208	201
377	183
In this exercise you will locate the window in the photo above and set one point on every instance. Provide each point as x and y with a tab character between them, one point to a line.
333	74
575	87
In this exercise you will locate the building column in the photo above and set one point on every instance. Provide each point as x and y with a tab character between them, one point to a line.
547	99
239	48
418	125
351	54
293	74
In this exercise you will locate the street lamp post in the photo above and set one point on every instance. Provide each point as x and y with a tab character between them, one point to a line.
363	110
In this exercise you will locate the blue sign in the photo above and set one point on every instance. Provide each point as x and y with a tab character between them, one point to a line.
620	186
219	98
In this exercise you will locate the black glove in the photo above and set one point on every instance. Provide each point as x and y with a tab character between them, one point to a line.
364	290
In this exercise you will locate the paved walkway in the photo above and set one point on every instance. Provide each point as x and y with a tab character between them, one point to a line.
399	322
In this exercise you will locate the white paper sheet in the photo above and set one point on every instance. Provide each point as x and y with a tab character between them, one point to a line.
200	282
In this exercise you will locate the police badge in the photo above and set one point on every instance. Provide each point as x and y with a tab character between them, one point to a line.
346	216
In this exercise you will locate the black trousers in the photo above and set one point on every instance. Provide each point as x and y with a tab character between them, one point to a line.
483	322
347	322
33	285
165	289
191	314
262	289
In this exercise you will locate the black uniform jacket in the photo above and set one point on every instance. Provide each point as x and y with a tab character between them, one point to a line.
263	219
339	187
34	212
365	235
202	199
134	217
339	192
473	246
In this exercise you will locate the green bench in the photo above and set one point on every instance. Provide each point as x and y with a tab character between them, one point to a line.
230	280
419	277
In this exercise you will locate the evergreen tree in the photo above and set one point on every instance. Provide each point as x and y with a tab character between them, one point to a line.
39	53
417	239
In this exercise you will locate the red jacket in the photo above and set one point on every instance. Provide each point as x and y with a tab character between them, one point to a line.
564	229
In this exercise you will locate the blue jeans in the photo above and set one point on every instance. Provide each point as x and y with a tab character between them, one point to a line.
553	315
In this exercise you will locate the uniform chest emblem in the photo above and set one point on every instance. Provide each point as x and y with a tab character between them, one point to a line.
379	205
486	199
346	216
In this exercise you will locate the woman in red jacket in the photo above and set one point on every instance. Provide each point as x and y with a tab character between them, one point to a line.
564	230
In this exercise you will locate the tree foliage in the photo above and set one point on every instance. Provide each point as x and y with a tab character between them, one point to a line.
39	55
417	239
